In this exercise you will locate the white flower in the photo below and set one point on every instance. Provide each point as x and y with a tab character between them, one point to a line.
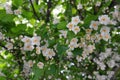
9	11
36	40
44	49
116	57
55	21
8	7
79	58
102	66
26	40
98	3
101	77
75	20
104	19
111	63
113	22
69	54
40	65
110	74
104	30
49	53
73	43
88	31
106	37
94	25
90	48
24	21
63	33
28	47
2	74
17	12
79	6
30	63
9	46
38	50
1	36
76	29
70	26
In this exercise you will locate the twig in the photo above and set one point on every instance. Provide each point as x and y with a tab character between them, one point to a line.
48	11
34	10
75	6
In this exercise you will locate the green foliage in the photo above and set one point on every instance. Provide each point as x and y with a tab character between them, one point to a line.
15	26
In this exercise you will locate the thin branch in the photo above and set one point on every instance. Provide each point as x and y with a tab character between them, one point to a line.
48	11
34	10
73	3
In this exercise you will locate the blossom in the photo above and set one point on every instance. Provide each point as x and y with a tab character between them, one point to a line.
40	65
105	30
63	33
26	40
8	6
73	43
9	46
104	19
98	3
1	36
30	63
79	58
36	40
38	50
111	63
106	37
88	31
75	20
17	12
69	54
70	26
49	53
91	48
28	47
94	25
79	6
76	29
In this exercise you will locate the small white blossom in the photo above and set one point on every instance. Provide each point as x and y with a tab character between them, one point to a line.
40	65
75	20
28	47
36	40
76	29
1	36
63	33
26	40
94	25
17	12
104	19
9	46
70	26
79	6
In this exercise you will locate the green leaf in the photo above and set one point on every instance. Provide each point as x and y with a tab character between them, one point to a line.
62	25
2	78
17	3
88	19
51	42
18	29
61	49
38	73
77	51
6	17
52	70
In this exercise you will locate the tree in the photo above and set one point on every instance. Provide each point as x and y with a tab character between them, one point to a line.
59	39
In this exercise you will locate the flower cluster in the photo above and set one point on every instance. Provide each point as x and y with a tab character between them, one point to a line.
8	8
72	26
